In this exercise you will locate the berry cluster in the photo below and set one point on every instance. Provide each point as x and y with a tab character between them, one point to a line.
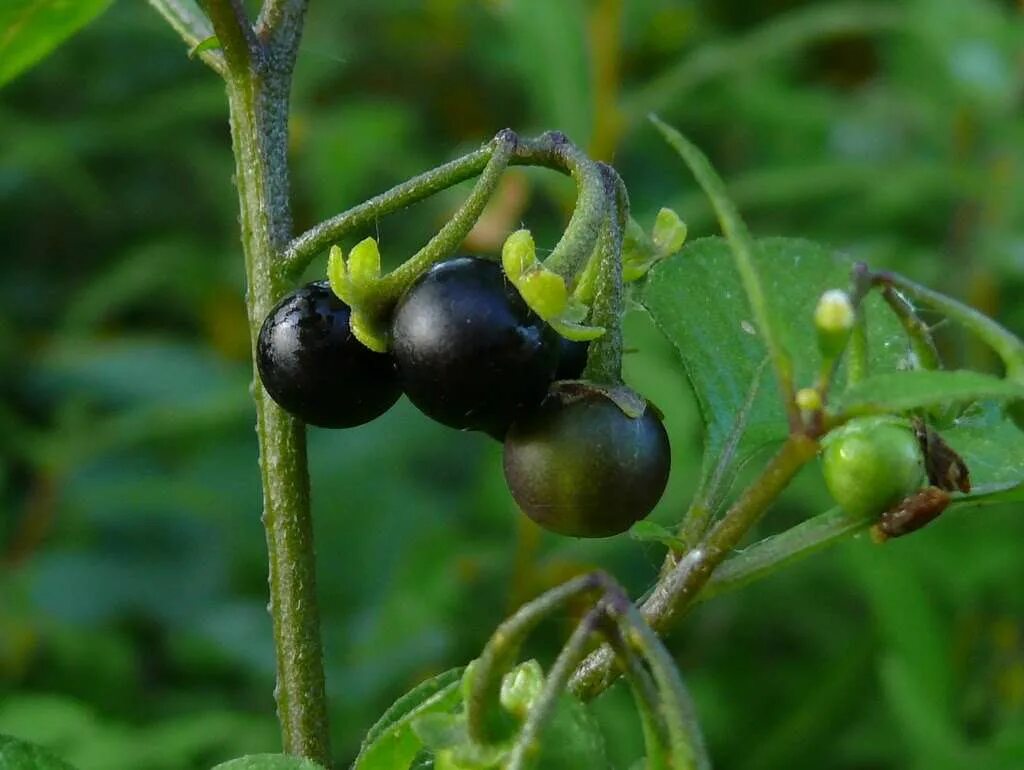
470	353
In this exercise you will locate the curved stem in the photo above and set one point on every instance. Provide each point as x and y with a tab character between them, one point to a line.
455	229
677	590
551	150
528	741
1007	345
920	336
500	651
301	251
686	742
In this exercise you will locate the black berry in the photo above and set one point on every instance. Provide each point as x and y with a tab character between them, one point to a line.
312	365
470	352
580	466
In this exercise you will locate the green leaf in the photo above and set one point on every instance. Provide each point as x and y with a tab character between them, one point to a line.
572	739
391	743
31	29
646	531
993	448
269	762
697	300
902	391
19	755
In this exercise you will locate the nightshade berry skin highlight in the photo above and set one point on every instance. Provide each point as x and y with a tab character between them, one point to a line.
313	366
580	466
470	353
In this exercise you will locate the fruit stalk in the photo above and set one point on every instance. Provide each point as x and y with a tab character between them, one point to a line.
258	84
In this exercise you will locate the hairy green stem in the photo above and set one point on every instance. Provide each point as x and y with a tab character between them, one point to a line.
501	649
550	150
527	744
455	229
604	359
686	742
677	590
258	87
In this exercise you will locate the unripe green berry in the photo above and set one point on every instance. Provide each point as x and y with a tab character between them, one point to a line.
871	464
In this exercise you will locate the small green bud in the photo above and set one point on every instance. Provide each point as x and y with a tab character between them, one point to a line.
808	399
521	687
834	317
668	233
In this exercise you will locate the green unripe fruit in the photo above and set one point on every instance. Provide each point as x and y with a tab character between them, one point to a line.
871	464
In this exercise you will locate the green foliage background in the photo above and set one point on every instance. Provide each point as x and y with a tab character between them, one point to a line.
133	630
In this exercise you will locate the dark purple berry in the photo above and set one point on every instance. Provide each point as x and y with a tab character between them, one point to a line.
580	466
470	352
312	365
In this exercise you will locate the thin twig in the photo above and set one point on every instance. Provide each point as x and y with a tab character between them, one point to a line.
918	333
551	150
528	741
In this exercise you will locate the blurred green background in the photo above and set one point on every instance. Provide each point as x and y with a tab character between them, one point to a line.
133	629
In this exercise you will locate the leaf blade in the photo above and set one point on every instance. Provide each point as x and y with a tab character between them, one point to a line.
32	29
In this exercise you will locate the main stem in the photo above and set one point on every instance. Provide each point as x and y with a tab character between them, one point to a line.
258	101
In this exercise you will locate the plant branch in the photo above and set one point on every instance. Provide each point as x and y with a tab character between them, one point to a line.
917	331
528	741
280	25
501	649
192	25
234	33
258	102
604	360
1007	345
551	150
677	590
447	239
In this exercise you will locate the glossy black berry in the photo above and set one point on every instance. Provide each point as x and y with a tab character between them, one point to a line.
470	352
572	359
312	365
580	466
